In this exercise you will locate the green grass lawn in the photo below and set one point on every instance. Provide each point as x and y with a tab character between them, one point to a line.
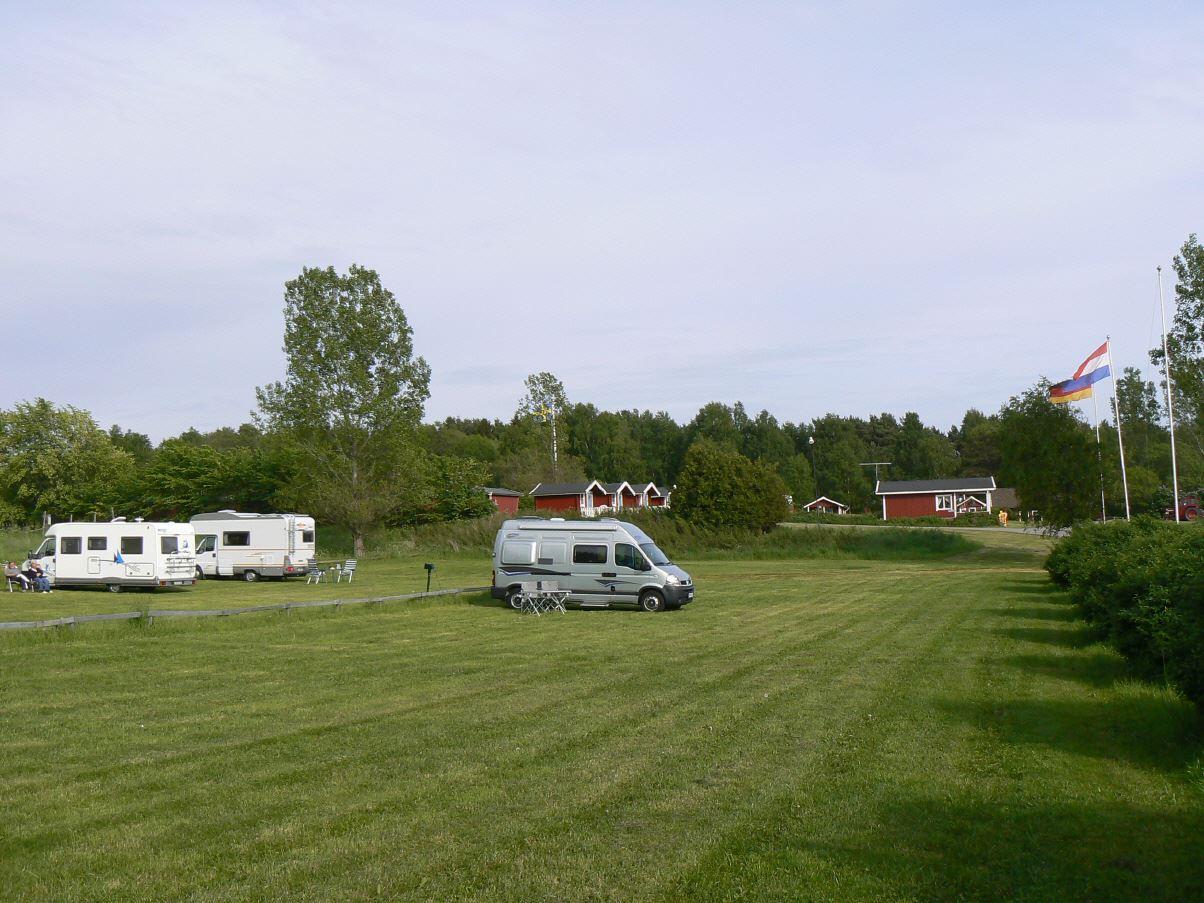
834	729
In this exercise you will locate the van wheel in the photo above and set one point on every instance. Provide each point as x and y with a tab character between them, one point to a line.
250	576
652	600
114	587
200	575
512	599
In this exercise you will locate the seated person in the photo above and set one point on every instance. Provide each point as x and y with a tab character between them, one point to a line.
13	574
37	576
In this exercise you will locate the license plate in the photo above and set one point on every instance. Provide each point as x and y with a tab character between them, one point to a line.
690	594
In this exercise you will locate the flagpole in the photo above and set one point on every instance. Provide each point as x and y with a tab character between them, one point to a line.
1099	454
1124	477
1170	410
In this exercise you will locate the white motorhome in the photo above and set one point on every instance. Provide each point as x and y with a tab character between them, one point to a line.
599	563
250	546
118	554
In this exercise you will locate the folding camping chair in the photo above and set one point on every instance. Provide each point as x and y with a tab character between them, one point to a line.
347	570
315	573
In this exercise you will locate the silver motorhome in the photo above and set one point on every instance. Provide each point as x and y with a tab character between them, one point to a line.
599	563
250	546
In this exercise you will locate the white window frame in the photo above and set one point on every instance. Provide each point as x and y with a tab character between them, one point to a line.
945	501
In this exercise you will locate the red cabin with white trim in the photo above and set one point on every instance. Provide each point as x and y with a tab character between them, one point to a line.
935	498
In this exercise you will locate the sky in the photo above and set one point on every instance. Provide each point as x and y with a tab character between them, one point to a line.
807	207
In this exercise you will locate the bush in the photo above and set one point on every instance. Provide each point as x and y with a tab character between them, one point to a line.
718	487
1140	584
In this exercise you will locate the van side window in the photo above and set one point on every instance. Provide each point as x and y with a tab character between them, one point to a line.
169	544
206	543
589	554
553	552
97	543
518	553
241	538
131	545
70	545
627	556
307	536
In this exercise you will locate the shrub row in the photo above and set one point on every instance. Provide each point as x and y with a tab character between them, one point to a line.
965	520
1141	584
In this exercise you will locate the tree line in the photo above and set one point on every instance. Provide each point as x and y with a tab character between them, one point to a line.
342	437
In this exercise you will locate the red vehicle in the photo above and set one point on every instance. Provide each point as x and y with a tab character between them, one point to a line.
1189	507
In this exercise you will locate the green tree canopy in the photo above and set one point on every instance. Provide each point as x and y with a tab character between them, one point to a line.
58	461
1049	456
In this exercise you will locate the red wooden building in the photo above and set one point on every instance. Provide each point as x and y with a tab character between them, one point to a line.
940	498
505	500
577	497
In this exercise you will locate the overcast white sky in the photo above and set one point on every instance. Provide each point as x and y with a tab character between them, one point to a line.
808	207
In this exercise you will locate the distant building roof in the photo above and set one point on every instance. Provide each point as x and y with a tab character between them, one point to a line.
963	484
612	488
824	498
645	487
564	488
494	490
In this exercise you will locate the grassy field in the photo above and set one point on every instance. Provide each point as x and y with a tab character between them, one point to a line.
835	729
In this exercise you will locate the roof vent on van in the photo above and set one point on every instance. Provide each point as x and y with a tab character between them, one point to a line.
137	520
557	519
227	511
613	520
117	520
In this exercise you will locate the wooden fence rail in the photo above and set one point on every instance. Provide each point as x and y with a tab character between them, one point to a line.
151	614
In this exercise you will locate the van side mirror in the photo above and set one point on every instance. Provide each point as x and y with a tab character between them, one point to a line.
645	564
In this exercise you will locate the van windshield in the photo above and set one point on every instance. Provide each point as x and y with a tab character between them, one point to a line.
655	555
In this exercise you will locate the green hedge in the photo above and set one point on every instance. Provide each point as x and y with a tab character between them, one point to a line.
870	520
1142	584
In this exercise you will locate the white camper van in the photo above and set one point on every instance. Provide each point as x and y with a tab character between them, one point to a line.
118	554
250	546
599	563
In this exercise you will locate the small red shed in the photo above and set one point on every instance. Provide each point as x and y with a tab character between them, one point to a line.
505	500
939	498
649	495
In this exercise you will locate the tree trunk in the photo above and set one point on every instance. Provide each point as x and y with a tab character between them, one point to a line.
358	539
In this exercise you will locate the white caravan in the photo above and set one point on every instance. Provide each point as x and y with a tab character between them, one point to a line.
118	554
250	546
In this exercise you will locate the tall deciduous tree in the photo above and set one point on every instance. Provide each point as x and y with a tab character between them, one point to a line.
1185	342
351	400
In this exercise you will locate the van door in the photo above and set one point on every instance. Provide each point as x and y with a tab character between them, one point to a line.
592	582
206	554
630	572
